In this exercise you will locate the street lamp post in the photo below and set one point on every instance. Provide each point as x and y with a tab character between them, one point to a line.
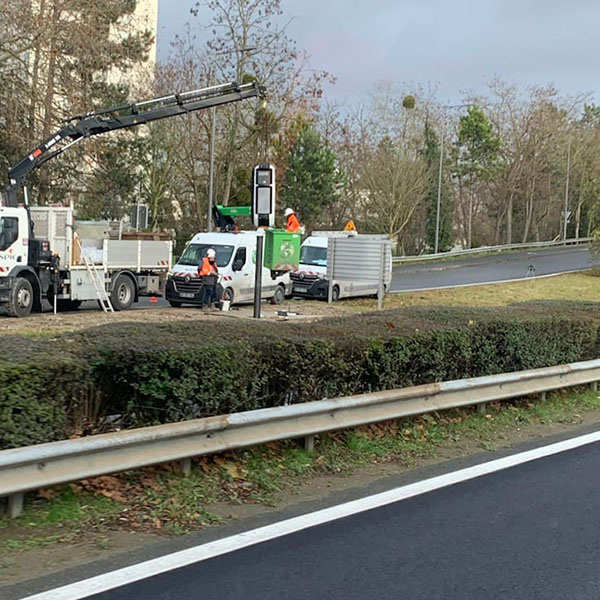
566	210
439	194
439	198
211	175
213	127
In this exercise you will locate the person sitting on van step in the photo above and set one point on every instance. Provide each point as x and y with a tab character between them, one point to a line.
293	224
209	272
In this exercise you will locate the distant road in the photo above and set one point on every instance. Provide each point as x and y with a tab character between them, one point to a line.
491	268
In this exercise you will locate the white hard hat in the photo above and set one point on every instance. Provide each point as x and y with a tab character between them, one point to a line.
210	253
288	212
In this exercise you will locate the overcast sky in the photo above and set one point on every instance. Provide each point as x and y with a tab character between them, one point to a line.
453	45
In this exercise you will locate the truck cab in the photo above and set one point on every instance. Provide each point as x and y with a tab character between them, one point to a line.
236	258
20	285
309	280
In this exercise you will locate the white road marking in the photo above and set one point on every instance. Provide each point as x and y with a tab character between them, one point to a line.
460	285
156	566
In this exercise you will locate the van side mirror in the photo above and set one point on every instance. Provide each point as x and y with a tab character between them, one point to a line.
237	265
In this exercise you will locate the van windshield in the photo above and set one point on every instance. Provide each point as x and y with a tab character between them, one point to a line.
194	254
313	255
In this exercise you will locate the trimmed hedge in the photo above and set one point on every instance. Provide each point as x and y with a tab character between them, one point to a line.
150	374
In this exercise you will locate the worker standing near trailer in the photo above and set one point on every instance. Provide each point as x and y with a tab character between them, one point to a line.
293	224
209	272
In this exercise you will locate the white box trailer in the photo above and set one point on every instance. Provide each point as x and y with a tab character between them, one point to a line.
343	265
60	265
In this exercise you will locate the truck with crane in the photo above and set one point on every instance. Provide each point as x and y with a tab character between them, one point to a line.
42	256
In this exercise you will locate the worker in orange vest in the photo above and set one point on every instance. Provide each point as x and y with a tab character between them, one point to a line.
293	224
209	271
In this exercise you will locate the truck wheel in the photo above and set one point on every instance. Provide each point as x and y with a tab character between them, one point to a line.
279	295
228	295
335	293
21	299
175	304
123	293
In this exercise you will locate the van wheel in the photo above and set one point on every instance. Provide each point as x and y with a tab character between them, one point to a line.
279	295
20	301
335	293
123	294
228	295
175	304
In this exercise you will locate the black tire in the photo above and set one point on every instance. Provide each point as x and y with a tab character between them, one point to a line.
228	294
123	293
279	295
175	304
21	299
335	293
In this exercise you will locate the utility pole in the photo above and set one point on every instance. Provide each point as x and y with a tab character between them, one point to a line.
211	176
438	211
213	128
566	210
439	197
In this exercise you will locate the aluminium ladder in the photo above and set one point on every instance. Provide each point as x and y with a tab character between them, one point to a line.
97	281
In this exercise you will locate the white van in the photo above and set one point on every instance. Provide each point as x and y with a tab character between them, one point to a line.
236	257
310	280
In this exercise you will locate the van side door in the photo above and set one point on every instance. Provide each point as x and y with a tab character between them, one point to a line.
241	275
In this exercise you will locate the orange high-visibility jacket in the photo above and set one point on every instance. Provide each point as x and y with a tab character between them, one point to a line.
208	268
293	225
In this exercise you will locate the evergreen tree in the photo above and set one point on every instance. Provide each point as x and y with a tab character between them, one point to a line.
312	178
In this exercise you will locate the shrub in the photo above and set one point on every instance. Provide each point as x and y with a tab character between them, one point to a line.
150	374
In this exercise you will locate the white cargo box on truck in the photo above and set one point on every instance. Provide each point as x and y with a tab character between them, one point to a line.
126	268
346	264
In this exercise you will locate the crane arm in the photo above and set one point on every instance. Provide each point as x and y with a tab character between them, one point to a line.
123	117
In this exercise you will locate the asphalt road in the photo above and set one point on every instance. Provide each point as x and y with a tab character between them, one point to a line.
491	268
529	532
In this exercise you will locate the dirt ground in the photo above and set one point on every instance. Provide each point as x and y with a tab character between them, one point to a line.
48	323
15	566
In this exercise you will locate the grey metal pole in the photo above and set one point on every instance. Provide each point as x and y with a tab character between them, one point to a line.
439	198
380	290
565	212
260	239
211	175
330	264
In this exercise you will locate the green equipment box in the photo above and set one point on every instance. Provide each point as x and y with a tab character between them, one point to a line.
282	250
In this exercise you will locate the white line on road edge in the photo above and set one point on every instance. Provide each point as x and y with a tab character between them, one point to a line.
460	285
156	566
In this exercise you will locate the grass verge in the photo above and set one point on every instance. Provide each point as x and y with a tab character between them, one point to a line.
161	499
578	287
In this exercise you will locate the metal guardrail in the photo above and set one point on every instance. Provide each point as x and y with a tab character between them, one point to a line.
483	249
33	467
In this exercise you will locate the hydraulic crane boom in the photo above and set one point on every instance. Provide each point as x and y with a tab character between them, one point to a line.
122	117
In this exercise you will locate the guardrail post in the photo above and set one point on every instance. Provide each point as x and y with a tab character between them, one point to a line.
309	443
186	466
543	397
482	408
15	505
594	386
